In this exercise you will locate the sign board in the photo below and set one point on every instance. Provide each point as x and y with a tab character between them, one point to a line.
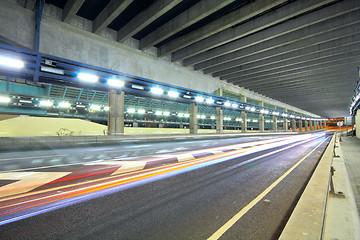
348	121
340	124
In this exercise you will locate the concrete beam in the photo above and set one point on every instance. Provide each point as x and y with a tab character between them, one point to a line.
310	59
315	61
197	12
316	18
109	13
267	20
71	8
305	71
339	36
220	29
144	18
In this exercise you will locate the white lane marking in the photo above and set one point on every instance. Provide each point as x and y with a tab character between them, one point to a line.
22	158
185	157
27	181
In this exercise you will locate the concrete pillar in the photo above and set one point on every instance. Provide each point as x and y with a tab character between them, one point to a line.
261	122
285	125
311	125
244	122
293	124
316	125
116	112
219	120
274	124
193	119
324	124
320	125
300	125
306	126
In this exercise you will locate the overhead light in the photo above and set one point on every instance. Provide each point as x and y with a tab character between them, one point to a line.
4	99
213	117
284	115
255	120
46	103
227	104
198	116
25	101
11	62
166	113
210	100
292	116
253	109
64	104
80	106
275	113
186	115
115	83
234	105
106	108
187	96
173	94
138	87
88	77
131	110
141	111
95	107
238	119
203	116
199	99
266	112
157	91
158	113
247	108
180	114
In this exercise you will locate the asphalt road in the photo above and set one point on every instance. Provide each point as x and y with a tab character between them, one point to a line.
190	205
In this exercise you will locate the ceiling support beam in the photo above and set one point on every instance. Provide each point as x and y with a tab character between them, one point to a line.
325	16
70	9
144	18
222	25
267	20
109	13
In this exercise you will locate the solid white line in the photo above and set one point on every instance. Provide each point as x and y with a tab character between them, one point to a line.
22	158
248	207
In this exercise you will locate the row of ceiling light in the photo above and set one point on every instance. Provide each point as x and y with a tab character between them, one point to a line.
115	82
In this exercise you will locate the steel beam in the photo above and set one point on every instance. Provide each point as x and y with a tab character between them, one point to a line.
144	18
317	21
109	13
265	21
70	9
197	12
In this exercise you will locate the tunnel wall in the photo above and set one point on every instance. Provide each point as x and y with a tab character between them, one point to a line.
357	123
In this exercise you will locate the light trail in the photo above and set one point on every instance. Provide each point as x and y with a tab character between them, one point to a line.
104	186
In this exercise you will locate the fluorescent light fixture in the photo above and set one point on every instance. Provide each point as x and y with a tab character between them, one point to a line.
138	87
141	111
199	99
131	110
106	108
210	101
253	109
234	105
187	96
267	121
238	119
255	120
166	113
266	111
52	70
115	83
247	108
95	107
157	91
213	117
198	116
180	114
25	101
46	103
248	120
80	106
158	113
203	116
64	104
173	94
4	99
275	113
284	115
11	62
227	104
292	116
88	77
186	115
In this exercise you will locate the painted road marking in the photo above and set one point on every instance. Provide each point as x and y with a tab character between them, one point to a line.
22	158
248	207
27	181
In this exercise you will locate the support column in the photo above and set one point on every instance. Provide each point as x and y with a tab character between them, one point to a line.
293	124
116	113
306	126
261	122
316	125
324	124
311	125
300	125
219	120
285	125
274	124
320	125
193	119
243	122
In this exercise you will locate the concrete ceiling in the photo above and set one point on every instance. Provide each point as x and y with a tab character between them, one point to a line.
304	53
